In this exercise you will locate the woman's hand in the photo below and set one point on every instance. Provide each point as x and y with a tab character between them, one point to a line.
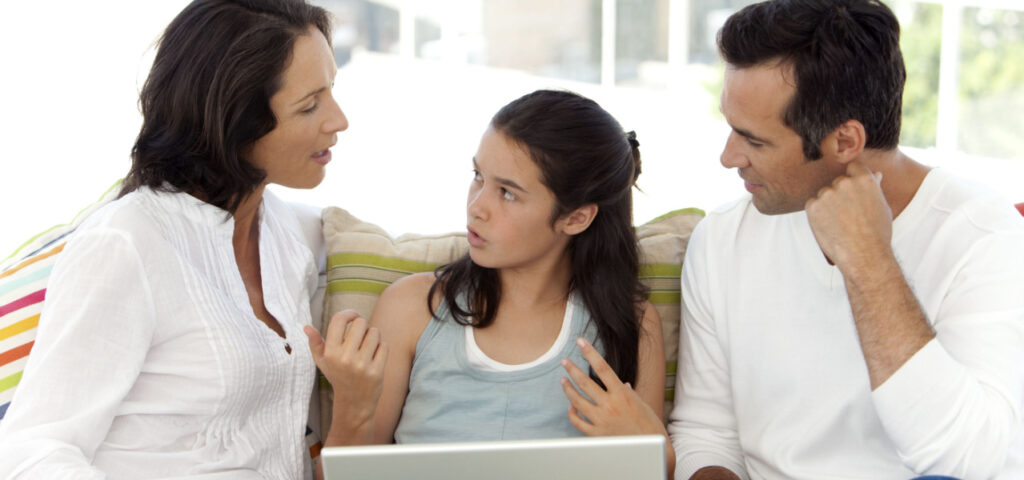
615	411
352	358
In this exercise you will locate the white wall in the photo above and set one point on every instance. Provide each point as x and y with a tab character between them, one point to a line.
68	96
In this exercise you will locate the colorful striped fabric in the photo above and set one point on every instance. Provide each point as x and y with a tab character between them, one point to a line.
22	291
362	260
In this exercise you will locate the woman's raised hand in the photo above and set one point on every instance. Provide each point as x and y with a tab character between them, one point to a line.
352	357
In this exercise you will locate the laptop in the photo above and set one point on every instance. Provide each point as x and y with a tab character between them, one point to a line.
637	457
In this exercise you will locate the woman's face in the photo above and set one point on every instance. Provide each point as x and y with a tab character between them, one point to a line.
296	151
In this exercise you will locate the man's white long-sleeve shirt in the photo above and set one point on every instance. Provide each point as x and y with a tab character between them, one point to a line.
772	381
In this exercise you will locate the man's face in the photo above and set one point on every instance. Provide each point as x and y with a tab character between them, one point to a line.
768	154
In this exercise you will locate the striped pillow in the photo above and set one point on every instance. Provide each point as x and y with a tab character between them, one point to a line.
362	260
23	278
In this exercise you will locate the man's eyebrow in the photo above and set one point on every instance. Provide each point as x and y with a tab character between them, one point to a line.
750	136
503	181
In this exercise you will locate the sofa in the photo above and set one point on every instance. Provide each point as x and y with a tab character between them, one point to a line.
357	260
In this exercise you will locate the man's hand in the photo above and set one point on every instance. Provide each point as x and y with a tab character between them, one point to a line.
714	473
851	219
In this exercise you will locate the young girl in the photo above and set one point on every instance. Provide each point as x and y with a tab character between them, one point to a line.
480	349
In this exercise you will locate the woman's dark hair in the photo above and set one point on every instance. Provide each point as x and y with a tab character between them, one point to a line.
845	55
207	97
585	158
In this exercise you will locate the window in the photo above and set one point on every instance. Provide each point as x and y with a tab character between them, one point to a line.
653	64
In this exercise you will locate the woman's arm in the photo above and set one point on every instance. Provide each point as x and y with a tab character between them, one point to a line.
94	333
401	315
352	357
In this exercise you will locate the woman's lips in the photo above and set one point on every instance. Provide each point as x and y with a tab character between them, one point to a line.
322	157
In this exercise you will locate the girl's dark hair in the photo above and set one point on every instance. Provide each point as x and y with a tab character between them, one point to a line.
845	55
584	158
207	97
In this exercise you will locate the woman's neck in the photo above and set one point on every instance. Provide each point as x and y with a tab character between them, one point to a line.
246	219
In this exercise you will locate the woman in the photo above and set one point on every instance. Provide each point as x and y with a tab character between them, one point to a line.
171	343
480	349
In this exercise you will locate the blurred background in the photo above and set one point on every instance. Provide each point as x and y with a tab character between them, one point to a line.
420	79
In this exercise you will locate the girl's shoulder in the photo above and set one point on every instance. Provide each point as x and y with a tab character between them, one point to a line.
401	313
410	290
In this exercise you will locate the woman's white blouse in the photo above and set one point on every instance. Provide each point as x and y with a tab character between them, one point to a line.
149	361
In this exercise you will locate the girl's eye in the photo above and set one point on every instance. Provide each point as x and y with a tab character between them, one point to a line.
507	195
476	175
310	109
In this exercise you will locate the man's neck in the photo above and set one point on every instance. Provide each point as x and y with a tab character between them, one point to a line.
901	176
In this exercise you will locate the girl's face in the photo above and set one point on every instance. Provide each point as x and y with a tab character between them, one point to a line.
296	151
509	209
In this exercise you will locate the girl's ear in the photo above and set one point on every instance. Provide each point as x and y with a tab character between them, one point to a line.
578	220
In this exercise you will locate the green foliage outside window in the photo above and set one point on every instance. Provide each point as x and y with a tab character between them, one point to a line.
992	83
991	90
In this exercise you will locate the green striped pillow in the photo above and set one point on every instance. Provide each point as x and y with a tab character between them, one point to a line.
362	260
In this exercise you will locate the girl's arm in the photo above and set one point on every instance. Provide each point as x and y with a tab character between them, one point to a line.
650	374
622	409
401	315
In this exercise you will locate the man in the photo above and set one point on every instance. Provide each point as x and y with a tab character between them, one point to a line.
858	315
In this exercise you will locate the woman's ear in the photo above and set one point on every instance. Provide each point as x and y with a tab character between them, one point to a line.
846	142
577	221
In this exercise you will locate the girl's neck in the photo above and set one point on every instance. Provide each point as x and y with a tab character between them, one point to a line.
537	284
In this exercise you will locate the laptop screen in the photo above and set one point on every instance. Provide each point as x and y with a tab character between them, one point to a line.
640	457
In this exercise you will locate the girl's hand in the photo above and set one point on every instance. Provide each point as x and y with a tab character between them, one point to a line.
615	411
352	358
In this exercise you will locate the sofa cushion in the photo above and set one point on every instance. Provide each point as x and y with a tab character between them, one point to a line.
363	259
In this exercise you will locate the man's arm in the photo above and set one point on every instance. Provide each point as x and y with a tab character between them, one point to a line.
949	397
853	225
702	424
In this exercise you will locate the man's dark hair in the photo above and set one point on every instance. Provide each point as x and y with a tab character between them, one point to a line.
845	55
207	97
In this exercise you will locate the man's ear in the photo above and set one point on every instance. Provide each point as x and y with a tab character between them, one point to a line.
577	221
846	142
